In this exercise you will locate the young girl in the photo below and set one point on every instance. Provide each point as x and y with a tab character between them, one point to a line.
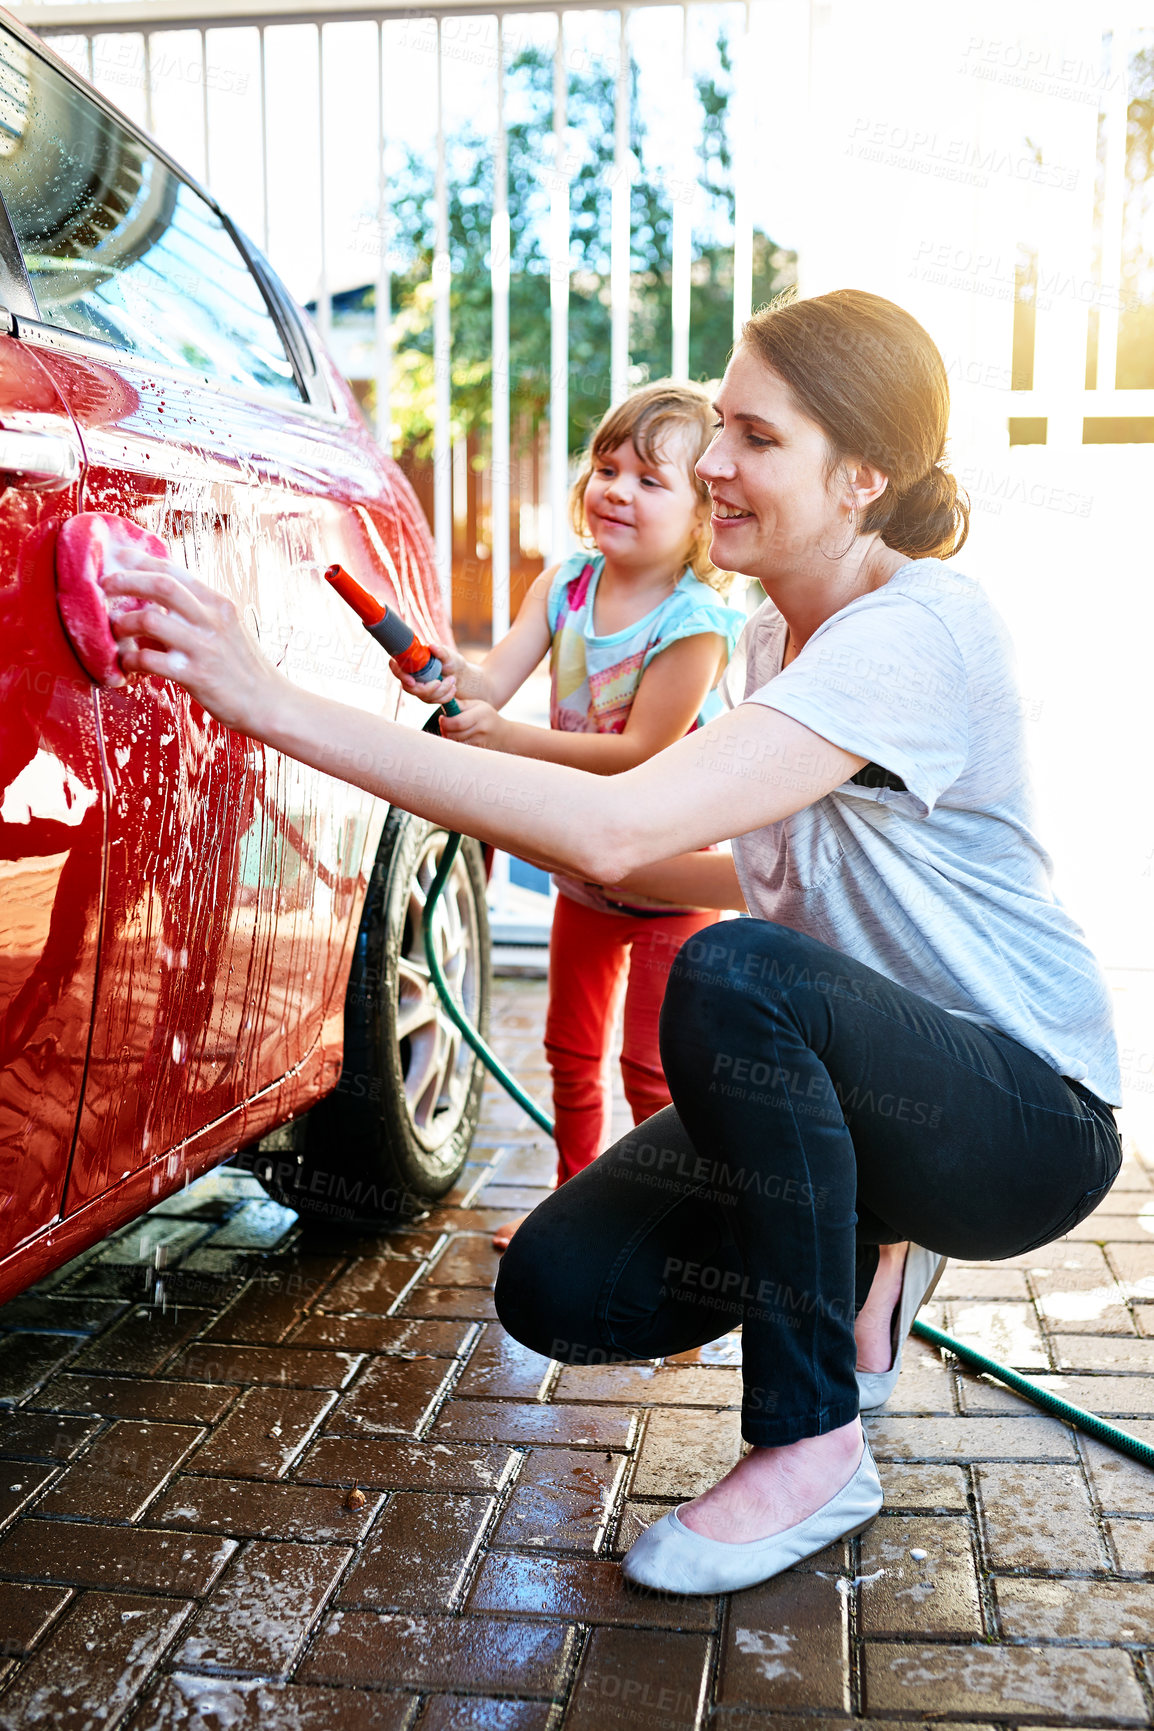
637	635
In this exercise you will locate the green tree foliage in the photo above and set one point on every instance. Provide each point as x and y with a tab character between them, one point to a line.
591	130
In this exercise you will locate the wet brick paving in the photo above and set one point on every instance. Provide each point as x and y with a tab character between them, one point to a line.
176	1452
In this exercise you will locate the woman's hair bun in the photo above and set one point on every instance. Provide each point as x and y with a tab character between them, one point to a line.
928	520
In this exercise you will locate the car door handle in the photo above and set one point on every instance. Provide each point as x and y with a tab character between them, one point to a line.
42	460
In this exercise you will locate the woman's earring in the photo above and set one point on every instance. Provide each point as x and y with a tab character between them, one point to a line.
853	535
853	532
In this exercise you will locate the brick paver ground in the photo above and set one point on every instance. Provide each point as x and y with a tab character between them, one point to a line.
187	1407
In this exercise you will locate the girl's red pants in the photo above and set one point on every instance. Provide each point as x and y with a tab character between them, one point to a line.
594	958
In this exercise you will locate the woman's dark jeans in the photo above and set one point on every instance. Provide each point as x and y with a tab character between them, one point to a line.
818	1111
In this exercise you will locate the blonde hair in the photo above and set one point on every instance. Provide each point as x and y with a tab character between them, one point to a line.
646	418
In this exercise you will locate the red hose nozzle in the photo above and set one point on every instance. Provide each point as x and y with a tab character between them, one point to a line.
387	627
368	609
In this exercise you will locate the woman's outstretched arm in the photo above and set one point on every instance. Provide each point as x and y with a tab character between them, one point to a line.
748	768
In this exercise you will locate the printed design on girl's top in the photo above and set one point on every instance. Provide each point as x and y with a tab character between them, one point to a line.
612	691
567	658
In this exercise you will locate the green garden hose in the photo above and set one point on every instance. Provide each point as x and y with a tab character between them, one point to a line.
453	1010
1082	1420
1088	1422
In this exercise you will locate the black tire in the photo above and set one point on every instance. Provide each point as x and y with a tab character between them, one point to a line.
397	1130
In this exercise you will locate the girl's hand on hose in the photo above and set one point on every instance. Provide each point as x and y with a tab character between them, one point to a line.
184	631
433	690
477	724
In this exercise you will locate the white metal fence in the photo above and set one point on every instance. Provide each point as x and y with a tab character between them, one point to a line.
786	111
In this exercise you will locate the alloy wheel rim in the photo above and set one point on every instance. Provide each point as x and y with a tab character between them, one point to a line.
436	1064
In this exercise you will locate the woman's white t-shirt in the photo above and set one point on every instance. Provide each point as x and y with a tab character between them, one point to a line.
936	879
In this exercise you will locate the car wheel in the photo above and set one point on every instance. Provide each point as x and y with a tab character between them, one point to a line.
396	1132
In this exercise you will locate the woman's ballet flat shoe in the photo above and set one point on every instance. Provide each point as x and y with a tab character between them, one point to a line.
672	1558
923	1270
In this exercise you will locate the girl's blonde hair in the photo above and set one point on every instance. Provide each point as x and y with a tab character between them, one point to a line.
647	418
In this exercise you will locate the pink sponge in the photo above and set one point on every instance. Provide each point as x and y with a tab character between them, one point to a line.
87	547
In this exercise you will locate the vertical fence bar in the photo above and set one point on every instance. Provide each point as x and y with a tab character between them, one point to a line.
681	238
146	59
324	299
559	308
1064	234
1116	106
442	403
263	82
499	276
204	100
383	319
743	136
620	227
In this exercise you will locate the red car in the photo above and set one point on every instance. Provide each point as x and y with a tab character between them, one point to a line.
200	940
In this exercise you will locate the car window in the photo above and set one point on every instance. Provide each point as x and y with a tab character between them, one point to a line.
120	248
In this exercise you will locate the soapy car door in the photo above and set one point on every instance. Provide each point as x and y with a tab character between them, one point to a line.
52	810
234	875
